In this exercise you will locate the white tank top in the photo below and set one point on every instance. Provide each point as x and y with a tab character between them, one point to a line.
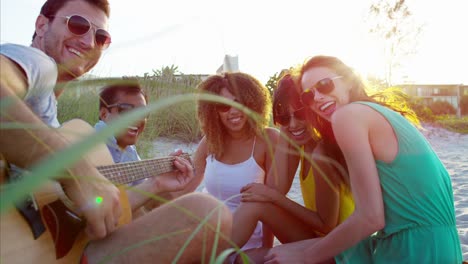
224	181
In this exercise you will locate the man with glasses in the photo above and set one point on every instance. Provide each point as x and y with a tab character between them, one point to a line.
69	38
115	100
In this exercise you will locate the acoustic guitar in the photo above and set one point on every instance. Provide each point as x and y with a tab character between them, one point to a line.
64	239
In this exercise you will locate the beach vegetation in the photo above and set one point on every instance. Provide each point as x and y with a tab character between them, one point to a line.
453	123
442	108
464	105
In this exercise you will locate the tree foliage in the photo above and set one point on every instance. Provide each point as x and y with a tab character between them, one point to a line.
167	73
171	74
394	24
272	83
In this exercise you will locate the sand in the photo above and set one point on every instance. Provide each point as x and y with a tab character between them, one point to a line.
452	148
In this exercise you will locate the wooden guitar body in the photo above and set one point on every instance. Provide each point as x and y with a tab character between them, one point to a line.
64	237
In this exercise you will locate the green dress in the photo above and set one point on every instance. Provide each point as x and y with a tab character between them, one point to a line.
417	193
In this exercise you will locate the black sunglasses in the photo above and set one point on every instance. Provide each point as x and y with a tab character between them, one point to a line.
223	108
299	114
324	86
80	26
123	107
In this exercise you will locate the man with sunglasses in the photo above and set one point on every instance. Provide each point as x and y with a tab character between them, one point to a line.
69	38
115	100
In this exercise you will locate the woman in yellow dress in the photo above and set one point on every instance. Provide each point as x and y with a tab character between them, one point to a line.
326	195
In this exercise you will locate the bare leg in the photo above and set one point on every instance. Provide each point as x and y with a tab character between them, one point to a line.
247	215
160	235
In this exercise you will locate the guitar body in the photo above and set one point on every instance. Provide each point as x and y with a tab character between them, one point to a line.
64	234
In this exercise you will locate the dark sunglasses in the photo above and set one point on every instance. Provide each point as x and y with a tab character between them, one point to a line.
284	120
324	86
223	108
80	26
123	107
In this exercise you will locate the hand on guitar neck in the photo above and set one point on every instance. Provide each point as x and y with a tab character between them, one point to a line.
166	182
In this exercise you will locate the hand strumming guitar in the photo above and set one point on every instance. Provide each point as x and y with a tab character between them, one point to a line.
96	198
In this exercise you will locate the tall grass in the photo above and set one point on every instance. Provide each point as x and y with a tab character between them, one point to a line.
81	100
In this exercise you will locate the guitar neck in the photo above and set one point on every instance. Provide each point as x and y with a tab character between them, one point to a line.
123	173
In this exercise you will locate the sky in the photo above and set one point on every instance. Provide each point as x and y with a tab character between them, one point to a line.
267	36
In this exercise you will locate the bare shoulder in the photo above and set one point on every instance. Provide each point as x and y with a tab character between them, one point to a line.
354	114
202	146
12	77
272	134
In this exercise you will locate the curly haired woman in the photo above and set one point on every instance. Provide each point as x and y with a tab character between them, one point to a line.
237	148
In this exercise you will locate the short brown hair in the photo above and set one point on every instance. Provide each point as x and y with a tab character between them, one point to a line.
51	7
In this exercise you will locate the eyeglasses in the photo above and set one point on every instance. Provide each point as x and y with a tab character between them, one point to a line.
324	86
80	26
284	120
123	107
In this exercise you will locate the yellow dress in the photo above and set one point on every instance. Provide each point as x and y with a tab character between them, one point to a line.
308	194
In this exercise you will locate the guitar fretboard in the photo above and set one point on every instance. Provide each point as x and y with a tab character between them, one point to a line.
123	173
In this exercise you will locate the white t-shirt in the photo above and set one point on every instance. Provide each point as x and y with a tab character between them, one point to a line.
41	73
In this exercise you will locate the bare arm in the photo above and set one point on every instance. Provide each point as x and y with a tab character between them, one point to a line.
327	192
327	197
284	166
352	136
163	184
25	147
271	142
199	164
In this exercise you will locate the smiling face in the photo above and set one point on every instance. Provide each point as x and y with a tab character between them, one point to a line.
325	104
75	55
129	136
234	120
298	129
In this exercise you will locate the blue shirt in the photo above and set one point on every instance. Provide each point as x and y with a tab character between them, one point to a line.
119	155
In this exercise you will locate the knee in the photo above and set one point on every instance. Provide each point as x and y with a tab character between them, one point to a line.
203	206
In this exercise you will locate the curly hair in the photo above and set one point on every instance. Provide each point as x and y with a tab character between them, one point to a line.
248	92
392	98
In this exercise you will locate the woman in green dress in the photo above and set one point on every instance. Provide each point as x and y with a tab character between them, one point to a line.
404	210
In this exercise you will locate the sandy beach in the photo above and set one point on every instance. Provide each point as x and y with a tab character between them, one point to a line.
450	147
452	150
